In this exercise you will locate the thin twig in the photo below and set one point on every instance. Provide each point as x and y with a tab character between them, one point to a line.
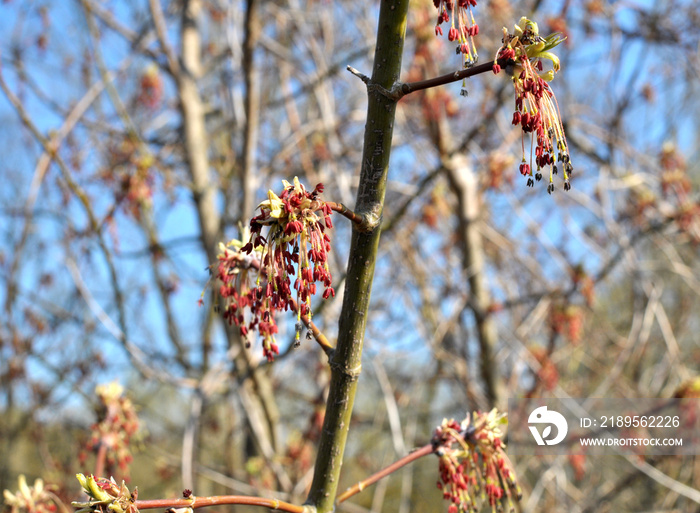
106	76
346	212
412	87
409	458
203	502
359	75
402	89
162	34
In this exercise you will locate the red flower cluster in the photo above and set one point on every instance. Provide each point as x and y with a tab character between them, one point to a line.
473	463
536	108
466	28
239	292
114	432
151	92
295	245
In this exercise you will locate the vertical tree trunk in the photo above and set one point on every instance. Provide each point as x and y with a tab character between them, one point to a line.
196	141
252	108
346	361
466	186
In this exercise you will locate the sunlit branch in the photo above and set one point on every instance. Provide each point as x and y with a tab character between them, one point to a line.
346	212
401	89
412	87
409	458
217	500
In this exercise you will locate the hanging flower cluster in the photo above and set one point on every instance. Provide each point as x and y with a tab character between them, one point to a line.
116	430
536	108
257	276
473	465
239	292
463	34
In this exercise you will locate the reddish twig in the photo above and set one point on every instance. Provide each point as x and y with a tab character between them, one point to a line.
346	212
409	458
203	502
100	460
317	333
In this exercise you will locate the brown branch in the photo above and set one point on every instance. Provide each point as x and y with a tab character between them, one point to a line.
346	212
409	458
252	30
401	89
412	87
203	502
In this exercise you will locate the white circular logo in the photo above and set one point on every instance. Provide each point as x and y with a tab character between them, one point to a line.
549	417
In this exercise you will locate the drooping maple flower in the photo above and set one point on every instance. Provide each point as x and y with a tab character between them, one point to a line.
117	429
536	108
472	463
257	276
242	305
465	30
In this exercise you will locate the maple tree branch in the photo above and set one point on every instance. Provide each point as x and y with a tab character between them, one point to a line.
456	76
409	458
401	89
347	213
203	502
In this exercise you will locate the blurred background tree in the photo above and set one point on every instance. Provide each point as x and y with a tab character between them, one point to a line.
138	135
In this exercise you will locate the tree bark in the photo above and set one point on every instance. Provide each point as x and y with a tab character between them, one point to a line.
466	187
346	362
